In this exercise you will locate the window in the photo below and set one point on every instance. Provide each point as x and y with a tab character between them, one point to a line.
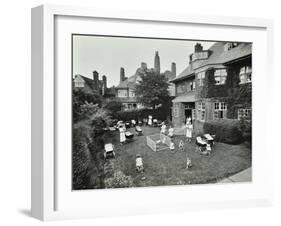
201	78
220	76
79	84
245	74
132	93
220	110
244	113
201	111
230	45
199	55
192	85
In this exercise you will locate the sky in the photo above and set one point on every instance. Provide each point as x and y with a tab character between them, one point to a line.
107	54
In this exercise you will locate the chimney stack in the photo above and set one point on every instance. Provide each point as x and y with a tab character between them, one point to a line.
173	69
96	80
143	65
198	47
104	81
122	74
95	75
157	62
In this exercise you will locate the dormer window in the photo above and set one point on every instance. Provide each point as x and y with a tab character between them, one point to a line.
230	45
199	55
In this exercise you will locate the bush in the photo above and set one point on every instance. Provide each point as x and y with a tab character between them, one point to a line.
226	130
119	180
246	129
81	158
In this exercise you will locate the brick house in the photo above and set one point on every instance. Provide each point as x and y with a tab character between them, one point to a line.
125	91
96	85
215	85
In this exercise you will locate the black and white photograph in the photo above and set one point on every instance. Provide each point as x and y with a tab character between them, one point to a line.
157	112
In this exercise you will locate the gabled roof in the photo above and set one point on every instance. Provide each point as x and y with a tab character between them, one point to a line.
218	56
87	80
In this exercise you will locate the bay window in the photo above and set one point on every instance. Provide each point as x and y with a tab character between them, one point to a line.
201	78
245	74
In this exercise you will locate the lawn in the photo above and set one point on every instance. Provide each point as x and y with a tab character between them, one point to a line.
168	168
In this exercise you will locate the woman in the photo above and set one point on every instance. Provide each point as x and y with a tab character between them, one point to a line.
122	134
150	120
189	128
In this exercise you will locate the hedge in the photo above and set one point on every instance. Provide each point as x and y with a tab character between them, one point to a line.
158	113
226	130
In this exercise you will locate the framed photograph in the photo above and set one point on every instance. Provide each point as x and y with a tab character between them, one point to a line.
137	112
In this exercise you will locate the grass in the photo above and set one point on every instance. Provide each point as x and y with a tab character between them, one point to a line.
168	168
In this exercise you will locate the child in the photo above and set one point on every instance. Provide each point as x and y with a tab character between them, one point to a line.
171	132
139	164
188	163
172	146
163	128
181	145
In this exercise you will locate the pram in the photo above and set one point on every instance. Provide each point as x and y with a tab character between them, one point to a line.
201	146
138	130
210	139
129	136
139	164
155	122
108	151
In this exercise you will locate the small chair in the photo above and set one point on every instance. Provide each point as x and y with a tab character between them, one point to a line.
139	164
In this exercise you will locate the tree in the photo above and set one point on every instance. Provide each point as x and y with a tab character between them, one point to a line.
152	89
79	99
113	107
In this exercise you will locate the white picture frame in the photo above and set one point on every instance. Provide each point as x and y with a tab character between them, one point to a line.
46	161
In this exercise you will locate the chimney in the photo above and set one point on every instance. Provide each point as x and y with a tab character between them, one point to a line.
104	80
95	75
198	47
143	65
122	74
96	80
173	68
157	62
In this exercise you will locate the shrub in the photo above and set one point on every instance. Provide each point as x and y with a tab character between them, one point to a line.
246	130
226	130
119	180
81	158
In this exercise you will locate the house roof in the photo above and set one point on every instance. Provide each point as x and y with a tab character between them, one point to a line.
128	83
218	56
132	80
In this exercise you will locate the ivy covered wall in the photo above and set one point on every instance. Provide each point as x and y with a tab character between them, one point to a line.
233	93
